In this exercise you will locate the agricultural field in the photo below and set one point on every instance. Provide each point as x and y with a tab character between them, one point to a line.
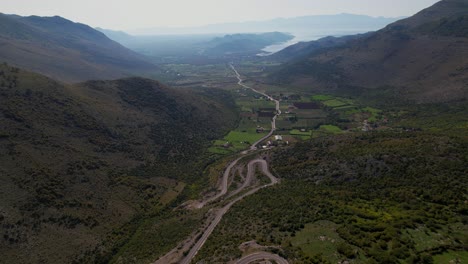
331	129
195	76
349	109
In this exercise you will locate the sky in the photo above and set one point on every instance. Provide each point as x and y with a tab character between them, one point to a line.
138	14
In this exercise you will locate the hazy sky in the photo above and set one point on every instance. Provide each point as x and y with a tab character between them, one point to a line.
133	14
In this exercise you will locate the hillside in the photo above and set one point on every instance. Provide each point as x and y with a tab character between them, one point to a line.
301	49
417	59
383	197
243	43
84	166
65	50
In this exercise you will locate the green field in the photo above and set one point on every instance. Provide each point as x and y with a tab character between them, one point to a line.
335	103
237	140
322	97
374	112
236	136
249	104
302	135
331	129
297	132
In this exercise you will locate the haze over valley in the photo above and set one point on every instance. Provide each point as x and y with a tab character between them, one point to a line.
234	132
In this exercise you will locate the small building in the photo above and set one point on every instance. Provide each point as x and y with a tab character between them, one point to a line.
278	138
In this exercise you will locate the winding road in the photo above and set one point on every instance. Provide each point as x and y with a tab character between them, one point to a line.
224	189
227	172
223	211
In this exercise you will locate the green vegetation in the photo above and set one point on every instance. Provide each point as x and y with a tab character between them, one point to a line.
452	257
319	240
322	97
393	197
331	129
89	169
334	103
235	136
300	133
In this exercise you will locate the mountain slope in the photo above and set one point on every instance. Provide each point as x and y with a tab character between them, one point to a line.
302	49
243	43
65	50
421	58
79	162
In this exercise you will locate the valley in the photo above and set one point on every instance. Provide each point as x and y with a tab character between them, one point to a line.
166	149
192	246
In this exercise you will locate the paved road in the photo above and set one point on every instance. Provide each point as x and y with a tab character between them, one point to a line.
219	215
227	172
277	103
259	256
224	183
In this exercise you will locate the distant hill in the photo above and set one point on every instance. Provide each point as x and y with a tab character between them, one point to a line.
421	58
81	162
205	48
321	24
243	43
65	50
302	49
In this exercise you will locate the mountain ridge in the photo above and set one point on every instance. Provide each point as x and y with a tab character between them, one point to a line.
277	24
81	161
66	50
410	63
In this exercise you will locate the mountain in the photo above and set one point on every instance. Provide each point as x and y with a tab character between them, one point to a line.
320	24
205	49
65	50
83	166
243	43
305	48
421	59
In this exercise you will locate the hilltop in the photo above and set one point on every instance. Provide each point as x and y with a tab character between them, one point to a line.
65	50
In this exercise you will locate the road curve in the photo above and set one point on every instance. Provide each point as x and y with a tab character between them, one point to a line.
219	215
259	256
224	184
227	172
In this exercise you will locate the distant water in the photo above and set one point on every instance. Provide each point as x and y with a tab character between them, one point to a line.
310	36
